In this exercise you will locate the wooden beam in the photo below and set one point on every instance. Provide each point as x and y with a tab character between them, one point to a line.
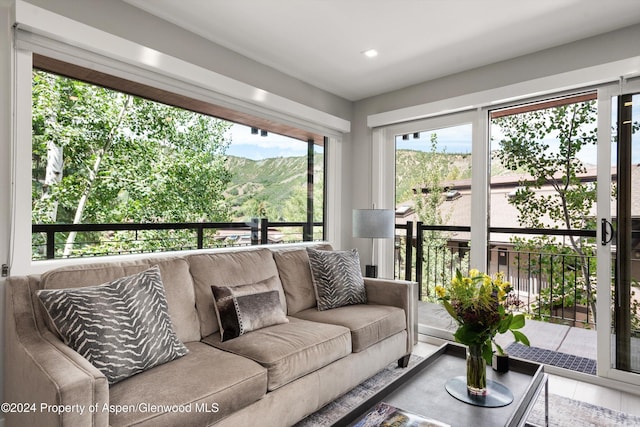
544	105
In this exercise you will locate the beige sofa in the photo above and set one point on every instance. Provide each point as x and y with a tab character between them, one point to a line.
277	375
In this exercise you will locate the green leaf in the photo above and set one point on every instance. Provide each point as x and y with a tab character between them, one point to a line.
505	324
517	322
464	335
450	310
520	337
487	352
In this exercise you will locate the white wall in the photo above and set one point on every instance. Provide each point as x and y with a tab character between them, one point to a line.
604	49
5	137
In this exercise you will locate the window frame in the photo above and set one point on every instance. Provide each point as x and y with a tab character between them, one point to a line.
273	109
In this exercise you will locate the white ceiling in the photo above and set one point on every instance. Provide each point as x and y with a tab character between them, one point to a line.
320	41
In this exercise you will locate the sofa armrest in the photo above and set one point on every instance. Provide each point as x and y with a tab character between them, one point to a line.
41	371
397	293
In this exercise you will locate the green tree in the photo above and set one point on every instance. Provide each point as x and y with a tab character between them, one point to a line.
439	264
544	144
107	157
295	207
257	207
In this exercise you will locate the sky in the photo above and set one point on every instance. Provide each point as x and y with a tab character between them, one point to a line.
256	147
456	139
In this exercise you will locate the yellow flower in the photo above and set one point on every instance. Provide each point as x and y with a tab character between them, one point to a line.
476	302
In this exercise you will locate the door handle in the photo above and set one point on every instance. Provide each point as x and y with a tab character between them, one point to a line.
607	231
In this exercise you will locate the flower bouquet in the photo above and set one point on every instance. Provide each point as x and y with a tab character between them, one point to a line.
477	303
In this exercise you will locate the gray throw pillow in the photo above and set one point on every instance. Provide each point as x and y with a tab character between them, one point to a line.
337	278
245	308
122	327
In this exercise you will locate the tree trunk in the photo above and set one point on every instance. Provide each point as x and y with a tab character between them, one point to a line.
53	175
93	175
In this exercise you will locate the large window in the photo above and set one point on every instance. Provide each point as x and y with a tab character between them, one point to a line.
107	156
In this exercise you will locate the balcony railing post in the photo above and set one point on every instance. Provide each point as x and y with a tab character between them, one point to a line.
51	244
255	228
200	231
264	231
307	232
408	267
419	255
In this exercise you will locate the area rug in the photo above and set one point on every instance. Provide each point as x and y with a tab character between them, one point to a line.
333	411
553	358
563	412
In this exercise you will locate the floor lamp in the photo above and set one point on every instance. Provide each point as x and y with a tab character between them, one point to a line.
373	224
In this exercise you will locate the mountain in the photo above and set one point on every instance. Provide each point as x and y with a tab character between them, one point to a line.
410	166
271	183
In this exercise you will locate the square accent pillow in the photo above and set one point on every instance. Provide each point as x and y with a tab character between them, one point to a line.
245	308
122	327
337	278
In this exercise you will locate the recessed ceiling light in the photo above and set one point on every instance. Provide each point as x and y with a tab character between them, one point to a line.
370	53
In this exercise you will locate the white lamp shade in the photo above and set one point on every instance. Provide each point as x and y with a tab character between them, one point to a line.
374	223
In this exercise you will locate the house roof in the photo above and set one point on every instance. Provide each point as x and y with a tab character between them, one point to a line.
457	211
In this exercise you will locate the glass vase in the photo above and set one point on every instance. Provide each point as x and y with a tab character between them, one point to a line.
476	371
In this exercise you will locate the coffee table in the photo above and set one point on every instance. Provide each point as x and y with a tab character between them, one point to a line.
422	391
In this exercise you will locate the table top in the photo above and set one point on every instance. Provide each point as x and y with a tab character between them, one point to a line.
422	391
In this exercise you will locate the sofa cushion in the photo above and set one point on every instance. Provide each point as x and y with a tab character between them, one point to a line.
369	324
230	268
122	327
337	278
178	286
209	383
295	274
246	308
290	350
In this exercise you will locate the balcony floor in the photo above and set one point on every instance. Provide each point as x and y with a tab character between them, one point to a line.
434	320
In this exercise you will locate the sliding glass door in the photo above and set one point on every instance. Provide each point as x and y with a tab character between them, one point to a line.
626	310
619	272
439	181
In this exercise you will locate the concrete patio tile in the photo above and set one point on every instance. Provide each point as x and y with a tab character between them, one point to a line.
436	316
580	342
541	334
434	320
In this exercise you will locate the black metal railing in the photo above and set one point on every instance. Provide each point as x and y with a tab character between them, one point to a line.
557	285
49	240
550	285
403	251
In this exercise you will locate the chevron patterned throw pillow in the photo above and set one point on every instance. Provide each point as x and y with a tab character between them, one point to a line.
122	327
337	278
